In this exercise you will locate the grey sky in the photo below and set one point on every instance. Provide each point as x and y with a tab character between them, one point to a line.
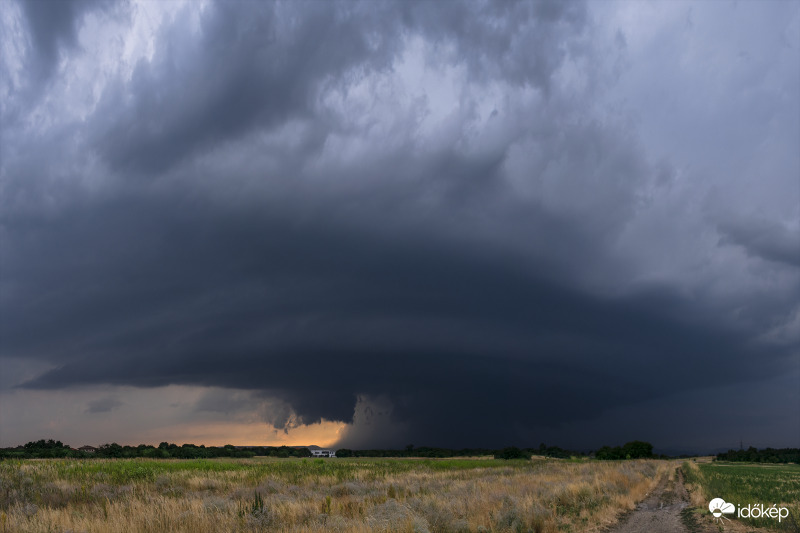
453	224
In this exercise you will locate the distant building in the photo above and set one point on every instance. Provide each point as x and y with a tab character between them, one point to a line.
316	451
87	449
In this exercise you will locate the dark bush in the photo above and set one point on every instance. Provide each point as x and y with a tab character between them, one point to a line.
512	452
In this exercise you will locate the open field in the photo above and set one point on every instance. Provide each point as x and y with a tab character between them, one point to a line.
746	484
299	495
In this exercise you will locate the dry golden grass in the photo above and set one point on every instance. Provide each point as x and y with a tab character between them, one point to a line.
347	495
697	495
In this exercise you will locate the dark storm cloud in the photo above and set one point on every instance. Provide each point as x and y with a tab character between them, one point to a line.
517	41
258	209
256	65
103	405
763	238
253	65
316	313
53	27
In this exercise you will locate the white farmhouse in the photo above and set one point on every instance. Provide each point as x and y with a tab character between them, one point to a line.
316	451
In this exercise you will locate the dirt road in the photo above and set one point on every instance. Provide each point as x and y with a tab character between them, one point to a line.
660	512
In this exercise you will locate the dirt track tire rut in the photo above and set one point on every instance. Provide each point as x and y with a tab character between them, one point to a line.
660	511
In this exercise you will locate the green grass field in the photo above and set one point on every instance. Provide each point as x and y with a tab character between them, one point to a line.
121	471
747	484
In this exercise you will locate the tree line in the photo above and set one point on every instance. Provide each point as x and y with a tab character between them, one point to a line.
55	448
631	450
767	455
438	453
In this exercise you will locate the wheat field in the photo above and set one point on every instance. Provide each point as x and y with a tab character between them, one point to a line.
304	495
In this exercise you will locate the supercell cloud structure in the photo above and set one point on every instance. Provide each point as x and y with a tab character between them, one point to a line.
456	224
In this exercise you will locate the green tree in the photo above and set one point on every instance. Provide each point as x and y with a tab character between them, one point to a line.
512	452
637	449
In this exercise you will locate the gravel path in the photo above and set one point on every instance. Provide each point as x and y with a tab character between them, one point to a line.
660	512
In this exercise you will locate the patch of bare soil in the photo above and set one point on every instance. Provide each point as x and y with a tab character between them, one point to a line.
660	512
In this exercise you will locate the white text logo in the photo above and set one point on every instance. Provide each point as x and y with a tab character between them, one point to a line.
758	511
720	507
